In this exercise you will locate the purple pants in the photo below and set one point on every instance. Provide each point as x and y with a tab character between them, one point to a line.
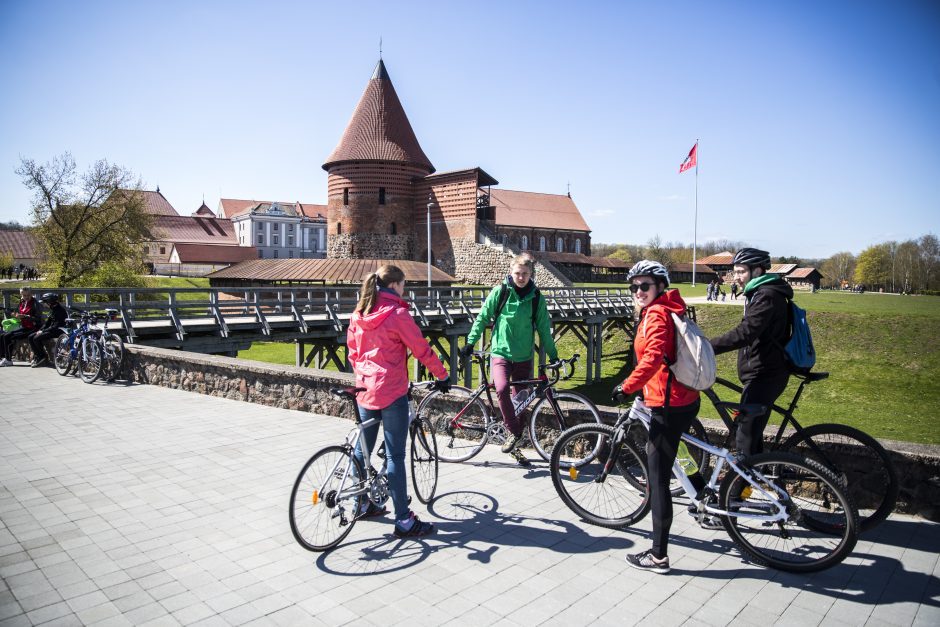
502	372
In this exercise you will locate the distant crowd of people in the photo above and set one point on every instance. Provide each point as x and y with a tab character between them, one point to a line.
20	272
715	291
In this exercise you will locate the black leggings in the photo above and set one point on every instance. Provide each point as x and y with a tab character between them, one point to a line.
750	436
661	453
7	339
38	339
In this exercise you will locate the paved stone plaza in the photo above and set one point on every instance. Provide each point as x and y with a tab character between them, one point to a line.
131	505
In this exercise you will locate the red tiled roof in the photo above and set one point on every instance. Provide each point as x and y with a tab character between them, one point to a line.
718	259
687	267
803	273
327	270
577	258
379	130
209	253
232	207
22	244
156	204
203	210
193	230
531	209
782	268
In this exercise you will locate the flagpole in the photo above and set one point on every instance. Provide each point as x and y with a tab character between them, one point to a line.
695	223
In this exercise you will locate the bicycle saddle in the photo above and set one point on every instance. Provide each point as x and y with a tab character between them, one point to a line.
349	393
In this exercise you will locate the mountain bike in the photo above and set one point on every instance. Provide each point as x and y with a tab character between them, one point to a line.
465	420
782	510
94	351
862	464
333	491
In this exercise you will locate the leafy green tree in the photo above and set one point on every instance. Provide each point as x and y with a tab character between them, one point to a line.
84	221
873	267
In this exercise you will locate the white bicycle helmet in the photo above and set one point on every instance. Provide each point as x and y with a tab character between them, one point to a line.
648	267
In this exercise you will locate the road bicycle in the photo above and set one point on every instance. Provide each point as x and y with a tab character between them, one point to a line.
93	351
333	491
782	510
465	420
862	464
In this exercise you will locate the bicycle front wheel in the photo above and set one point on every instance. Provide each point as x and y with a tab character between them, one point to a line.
459	423
615	499
113	357
549	419
423	460
821	527
859	460
323	503
89	359
62	355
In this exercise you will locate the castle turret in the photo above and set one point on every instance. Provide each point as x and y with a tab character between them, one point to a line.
370	207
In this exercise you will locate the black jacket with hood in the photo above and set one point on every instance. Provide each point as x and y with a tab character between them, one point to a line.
763	332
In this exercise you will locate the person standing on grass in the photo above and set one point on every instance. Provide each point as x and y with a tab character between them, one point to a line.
517	311
381	332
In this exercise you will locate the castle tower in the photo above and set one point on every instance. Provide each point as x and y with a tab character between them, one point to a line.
370	189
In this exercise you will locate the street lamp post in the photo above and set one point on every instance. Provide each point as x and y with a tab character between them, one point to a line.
429	242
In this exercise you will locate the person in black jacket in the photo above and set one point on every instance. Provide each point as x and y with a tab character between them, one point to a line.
50	328
759	338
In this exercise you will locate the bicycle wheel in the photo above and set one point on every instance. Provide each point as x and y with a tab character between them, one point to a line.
113	357
859	460
702	457
822	525
459	423
89	359
577	462
62	355
423	460
323	508
546	424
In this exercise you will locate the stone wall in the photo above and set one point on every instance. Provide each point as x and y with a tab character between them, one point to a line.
488	264
369	246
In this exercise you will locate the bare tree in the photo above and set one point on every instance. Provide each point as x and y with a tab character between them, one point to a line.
82	222
929	259
657	252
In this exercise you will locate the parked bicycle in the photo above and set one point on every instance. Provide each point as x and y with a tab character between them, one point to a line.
91	350
782	510
333	491
465	420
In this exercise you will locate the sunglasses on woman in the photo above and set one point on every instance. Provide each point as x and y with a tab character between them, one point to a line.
640	287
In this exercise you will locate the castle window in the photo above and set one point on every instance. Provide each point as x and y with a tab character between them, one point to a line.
345	195
339	228
577	246
560	245
542	244
276	238
381	195
275	227
394	229
163	250
275	253
260	239
290	240
525	243
290	254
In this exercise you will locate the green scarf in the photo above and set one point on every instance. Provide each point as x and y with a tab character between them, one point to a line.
755	283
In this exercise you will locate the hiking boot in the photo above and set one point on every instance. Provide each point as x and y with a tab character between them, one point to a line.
511	442
646	561
521	459
411	527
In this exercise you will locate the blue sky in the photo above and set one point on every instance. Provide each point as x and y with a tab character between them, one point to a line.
818	120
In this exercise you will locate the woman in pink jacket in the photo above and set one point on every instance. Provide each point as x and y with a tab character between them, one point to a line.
381	332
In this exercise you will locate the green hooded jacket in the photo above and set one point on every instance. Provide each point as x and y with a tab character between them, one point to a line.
513	337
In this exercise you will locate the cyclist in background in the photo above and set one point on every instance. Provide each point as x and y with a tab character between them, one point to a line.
673	405
28	315
760	339
50	328
517	311
381	332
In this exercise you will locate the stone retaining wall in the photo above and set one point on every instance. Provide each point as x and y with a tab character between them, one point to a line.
307	389
484	264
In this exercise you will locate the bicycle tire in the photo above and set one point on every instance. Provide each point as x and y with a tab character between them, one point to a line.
318	519
456	444
62	355
822	527
622	499
89	359
113	357
423	460
545	426
867	472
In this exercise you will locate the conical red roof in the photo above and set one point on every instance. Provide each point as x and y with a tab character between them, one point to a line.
379	129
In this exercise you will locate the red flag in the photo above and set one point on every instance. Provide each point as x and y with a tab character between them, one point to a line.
691	161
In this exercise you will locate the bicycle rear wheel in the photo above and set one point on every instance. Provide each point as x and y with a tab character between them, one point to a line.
89	359
113	357
859	460
822	525
322	509
62	355
618	499
459	423
423	460
546	424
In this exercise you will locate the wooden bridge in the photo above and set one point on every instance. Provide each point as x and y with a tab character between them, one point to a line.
315	319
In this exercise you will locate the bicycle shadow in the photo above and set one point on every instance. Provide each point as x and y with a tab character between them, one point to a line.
536	469
469	522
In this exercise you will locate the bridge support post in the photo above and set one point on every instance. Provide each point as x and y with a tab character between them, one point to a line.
299	353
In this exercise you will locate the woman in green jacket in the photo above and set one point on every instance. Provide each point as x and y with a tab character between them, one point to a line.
514	326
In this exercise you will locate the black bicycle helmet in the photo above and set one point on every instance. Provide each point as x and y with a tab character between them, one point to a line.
752	257
647	267
49	297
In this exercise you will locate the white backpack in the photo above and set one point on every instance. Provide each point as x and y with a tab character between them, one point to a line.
695	365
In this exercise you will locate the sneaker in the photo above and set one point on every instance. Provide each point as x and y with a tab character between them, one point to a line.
521	459
371	510
5	362
646	561
511	442
712	523
411	527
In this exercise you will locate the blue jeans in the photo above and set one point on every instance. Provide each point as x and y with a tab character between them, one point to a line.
395	424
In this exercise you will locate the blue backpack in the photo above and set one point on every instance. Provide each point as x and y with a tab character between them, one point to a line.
799	351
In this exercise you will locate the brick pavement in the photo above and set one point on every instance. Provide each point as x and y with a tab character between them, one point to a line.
137	505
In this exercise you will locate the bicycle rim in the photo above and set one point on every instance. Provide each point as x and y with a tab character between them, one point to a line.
545	425
62	356
859	460
113	357
320	515
423	460
822	525
459	437
576	465
89	360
